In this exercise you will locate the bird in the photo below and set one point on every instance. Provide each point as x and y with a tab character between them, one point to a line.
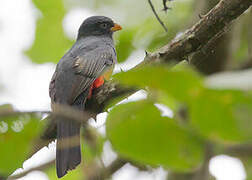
82	69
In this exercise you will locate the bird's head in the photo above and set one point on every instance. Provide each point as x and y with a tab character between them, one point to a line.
96	26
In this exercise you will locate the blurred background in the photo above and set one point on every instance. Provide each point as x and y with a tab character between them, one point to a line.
35	34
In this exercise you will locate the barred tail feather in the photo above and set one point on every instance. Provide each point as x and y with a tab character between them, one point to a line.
68	154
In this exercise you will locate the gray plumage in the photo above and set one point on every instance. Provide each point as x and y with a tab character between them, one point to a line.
81	65
90	56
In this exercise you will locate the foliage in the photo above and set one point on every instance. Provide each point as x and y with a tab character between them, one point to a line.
50	43
16	137
230	112
221	116
142	134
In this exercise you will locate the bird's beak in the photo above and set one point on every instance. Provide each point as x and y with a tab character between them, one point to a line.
116	27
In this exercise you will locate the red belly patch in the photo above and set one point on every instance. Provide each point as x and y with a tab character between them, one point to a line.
96	84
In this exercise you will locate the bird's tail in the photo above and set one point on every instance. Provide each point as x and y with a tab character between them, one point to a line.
68	154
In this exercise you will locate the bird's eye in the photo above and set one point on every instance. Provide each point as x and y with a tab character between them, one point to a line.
104	25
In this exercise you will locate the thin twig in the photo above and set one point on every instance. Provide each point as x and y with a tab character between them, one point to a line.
165	5
106	172
158	18
242	150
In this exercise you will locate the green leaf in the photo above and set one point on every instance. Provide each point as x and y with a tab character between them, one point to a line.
181	83
50	43
71	175
16	135
223	115
138	132
124	44
167	100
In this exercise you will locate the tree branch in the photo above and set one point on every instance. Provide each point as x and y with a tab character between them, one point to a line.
243	150
202	32
165	5
59	111
106	172
156	15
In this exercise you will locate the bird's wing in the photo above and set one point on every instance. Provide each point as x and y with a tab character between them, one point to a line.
89	67
75	76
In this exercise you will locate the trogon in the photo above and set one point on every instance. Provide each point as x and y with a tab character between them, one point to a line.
83	68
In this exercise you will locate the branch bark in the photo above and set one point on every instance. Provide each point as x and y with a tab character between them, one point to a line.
215	56
106	172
